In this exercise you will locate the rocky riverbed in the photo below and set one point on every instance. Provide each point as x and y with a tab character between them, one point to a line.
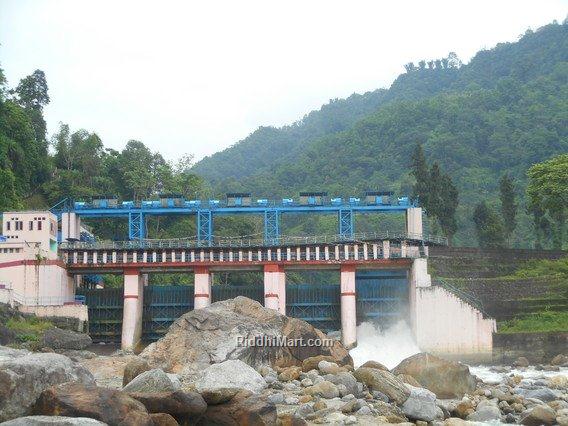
197	374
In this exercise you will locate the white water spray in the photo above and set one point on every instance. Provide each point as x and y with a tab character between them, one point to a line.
389	346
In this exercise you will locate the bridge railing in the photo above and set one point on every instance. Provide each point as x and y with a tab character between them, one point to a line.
221	242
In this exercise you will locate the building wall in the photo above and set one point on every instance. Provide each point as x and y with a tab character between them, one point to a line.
38	228
443	323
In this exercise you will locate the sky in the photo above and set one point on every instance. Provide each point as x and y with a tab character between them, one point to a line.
194	77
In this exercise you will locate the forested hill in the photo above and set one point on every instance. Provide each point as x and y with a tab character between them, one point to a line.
504	111
535	54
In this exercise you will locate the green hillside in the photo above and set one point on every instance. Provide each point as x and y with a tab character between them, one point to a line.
504	111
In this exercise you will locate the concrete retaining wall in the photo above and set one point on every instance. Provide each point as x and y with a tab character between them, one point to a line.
538	348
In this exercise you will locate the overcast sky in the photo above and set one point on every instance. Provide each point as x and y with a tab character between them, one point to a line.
196	77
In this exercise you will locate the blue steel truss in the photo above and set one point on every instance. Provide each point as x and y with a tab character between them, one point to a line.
204	227
271	227
346	226
136	226
271	211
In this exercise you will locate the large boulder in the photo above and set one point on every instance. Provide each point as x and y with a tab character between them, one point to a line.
421	405
183	406
385	382
53	421
447	379
231	329
243	409
150	381
107	405
231	374
57	338
539	415
24	375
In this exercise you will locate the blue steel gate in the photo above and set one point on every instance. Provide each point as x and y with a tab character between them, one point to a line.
105	313
224	292
318	304
162	306
382	296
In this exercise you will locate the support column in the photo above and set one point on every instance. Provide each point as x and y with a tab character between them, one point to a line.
414	222
282	292
132	313
70	226
348	307
274	287
202	287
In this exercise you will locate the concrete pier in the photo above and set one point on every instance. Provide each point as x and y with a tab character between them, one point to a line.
202	287
132	311
274	287
348	306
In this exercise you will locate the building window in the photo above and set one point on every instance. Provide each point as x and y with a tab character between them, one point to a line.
19	225
8	225
39	226
31	225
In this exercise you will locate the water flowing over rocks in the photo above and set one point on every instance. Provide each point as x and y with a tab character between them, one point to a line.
217	333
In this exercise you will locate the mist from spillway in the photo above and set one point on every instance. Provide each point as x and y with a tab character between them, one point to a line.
388	346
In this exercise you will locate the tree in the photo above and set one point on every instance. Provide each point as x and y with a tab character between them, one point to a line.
9	199
488	227
32	95
508	205
547	192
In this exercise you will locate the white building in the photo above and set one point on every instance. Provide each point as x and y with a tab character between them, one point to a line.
32	277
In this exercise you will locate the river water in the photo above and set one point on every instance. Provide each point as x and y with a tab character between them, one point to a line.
391	346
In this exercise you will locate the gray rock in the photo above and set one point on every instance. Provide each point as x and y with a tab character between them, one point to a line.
306	382
57	338
151	381
364	411
276	398
383	381
421	405
324	389
303	410
176	382
344	378
539	415
24	375
543	394
231	374
342	390
291	400
485	411
53	421
226	330
380	396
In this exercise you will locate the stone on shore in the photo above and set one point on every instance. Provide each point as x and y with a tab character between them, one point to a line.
53	421
375	364
107	405
24	375
539	415
385	382
223	330
243	409
57	338
183	406
447	379
151	381
421	405
135	367
231	374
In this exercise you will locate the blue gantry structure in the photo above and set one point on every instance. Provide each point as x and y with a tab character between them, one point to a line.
236	204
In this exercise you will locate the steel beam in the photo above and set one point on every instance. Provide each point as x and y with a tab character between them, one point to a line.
136	226
204	228
346	224
271	227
